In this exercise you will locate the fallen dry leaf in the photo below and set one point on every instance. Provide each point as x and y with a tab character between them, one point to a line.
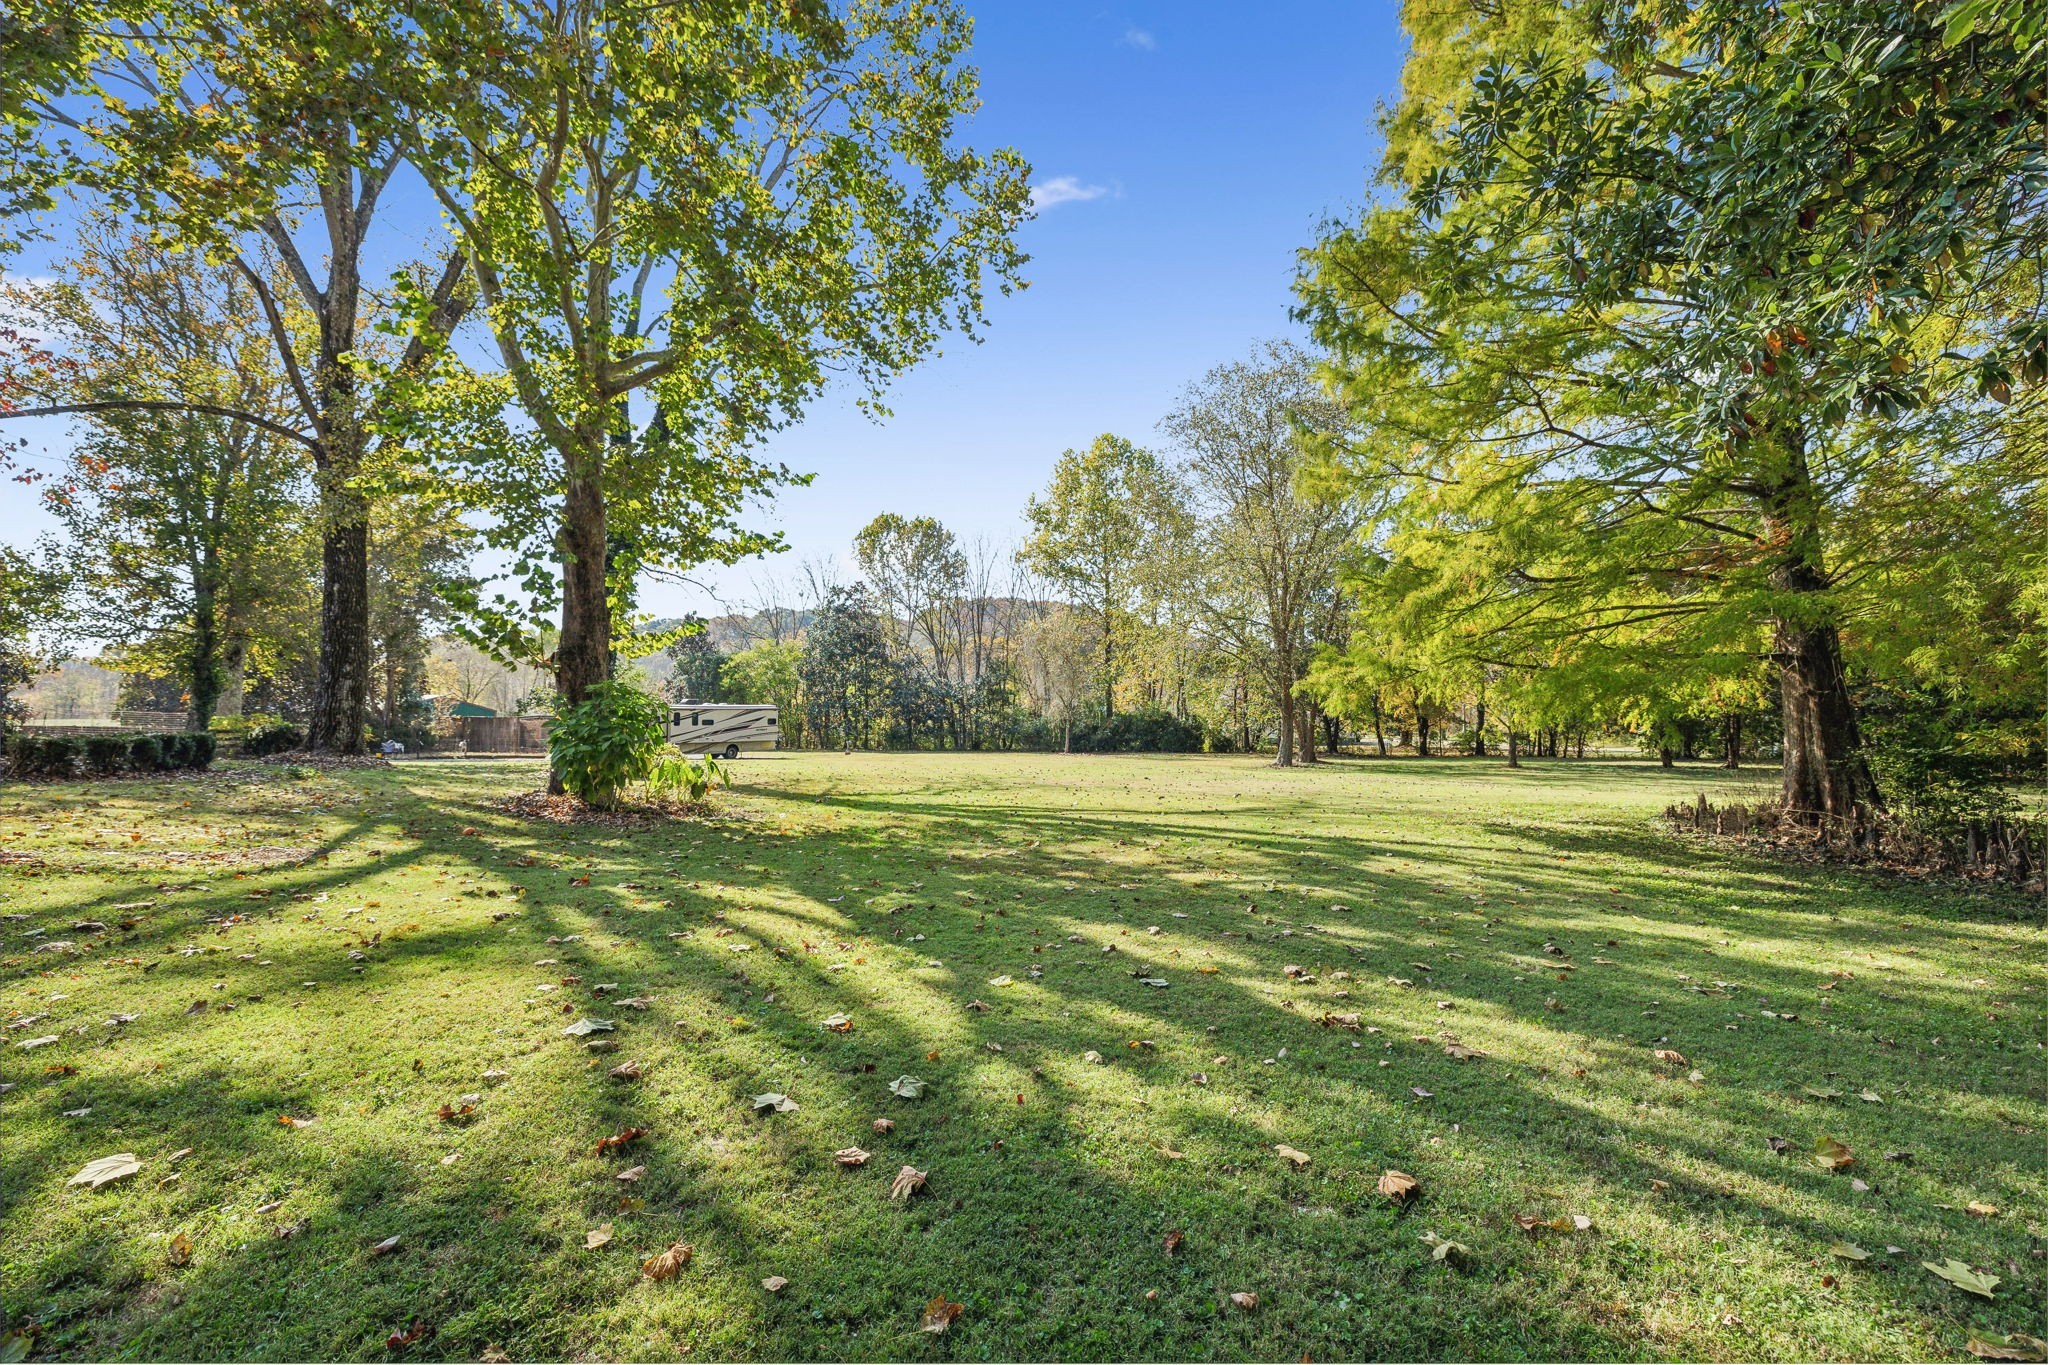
1298	1158
597	1237
775	1284
1832	1155
631	1174
181	1250
1962	1277
2014	1346
774	1102
625	1071
1665	1054
1399	1186
1173	1241
939	1314
908	1181
851	1156
405	1336
1247	1302
885	1125
620	1139
1977	1209
385	1247
666	1265
102	1170
1443	1248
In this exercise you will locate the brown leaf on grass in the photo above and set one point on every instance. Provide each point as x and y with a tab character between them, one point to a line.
1247	1302
1665	1054
775	1284
449	1113
885	1125
1832	1155
1399	1186
625	1071
2014	1346
1977	1209
1173	1241
1460	1053
406	1336
851	1156
620	1139
666	1265
1343	1021
181	1250
939	1314
908	1181
385	1247
1290	1154
290	1122
494	1354
631	1174
597	1237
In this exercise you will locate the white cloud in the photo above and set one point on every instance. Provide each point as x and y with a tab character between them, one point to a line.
1063	189
1140	38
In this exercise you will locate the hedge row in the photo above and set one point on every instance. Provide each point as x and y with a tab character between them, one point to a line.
106	755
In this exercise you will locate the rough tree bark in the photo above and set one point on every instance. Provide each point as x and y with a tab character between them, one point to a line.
1827	779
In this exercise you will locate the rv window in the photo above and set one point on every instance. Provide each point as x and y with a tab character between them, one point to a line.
675	718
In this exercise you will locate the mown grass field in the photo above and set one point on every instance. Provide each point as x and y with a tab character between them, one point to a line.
388	937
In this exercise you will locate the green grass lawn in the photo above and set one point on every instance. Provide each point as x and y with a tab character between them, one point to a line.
387	938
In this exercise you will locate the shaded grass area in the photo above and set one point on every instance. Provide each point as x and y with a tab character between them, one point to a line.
1540	917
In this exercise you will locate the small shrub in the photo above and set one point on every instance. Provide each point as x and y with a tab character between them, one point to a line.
203	749
273	739
607	741
56	755
177	749
105	753
146	753
692	777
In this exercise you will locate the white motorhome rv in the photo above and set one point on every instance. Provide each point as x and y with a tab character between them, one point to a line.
722	728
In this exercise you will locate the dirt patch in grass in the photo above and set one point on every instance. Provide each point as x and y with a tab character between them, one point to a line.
573	810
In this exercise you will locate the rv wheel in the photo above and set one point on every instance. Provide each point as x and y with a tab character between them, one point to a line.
732	751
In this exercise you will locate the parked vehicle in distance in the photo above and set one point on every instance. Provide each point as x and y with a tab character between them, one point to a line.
723	728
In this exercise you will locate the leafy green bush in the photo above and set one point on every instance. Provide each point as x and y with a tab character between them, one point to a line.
203	749
106	753
55	755
177	749
273	739
1154	732
691	776
146	753
607	741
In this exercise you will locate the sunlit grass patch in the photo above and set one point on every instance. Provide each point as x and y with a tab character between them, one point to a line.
390	964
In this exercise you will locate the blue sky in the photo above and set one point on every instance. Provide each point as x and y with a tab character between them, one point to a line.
1198	144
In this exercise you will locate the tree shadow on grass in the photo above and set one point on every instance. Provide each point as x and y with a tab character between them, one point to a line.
1051	1183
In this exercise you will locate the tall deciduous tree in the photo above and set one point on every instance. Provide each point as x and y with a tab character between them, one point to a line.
1268	549
714	205
1094	532
1666	289
180	493
236	127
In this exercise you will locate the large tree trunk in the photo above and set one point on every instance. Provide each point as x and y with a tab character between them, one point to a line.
1827	779
342	691
1514	754
341	694
1479	733
204	661
234	675
1731	740
1379	723
583	654
1285	758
